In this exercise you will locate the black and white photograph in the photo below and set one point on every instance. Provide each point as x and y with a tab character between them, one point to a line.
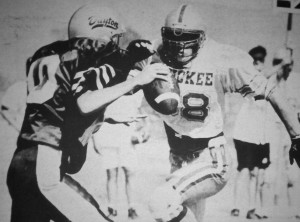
150	110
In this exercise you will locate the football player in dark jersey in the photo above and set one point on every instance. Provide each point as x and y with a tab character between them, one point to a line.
69	85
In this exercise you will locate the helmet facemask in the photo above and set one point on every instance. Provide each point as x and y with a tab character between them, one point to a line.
176	40
120	41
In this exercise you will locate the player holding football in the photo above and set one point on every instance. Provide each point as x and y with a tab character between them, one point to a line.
70	84
205	71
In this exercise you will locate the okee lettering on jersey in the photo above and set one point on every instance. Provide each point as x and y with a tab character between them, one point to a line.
193	78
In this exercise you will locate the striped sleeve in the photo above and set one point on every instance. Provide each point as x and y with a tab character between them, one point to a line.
92	79
244	81
238	74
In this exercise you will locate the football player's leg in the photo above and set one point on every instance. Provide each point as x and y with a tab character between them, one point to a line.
253	181
252	188
112	190
129	163
262	183
165	204
241	186
62	196
204	177
28	204
197	206
129	183
130	173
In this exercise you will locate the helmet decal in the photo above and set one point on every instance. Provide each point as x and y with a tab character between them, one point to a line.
95	22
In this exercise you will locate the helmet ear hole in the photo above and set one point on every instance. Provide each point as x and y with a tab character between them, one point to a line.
178	32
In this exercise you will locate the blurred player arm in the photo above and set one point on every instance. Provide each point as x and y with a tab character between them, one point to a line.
11	116
13	104
289	117
243	78
285	111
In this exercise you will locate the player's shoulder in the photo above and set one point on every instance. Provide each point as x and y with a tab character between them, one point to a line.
47	64
48	60
70	55
228	55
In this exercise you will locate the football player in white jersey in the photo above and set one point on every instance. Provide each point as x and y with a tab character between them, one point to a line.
205	71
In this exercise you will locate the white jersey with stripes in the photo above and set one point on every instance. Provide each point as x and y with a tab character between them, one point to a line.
217	69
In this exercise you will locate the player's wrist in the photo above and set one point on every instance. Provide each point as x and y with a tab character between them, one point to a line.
138	81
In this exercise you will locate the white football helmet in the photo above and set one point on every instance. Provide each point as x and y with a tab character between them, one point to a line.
96	22
184	28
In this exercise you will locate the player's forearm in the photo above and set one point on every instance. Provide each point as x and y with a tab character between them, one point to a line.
95	100
285	111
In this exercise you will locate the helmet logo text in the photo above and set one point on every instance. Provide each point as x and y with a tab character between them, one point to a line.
95	22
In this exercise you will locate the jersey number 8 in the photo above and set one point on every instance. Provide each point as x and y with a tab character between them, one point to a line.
195	106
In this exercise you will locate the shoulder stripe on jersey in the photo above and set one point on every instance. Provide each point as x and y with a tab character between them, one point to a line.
78	78
65	75
101	78
111	70
109	73
181	13
98	83
93	78
105	75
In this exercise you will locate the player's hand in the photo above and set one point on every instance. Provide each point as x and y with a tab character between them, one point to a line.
294	152
139	50
153	71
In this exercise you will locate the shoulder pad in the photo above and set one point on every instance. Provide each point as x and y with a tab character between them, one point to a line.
69	56
231	56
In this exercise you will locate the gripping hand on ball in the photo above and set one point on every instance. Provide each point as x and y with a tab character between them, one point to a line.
294	152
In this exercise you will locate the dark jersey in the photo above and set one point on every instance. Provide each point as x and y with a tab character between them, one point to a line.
55	82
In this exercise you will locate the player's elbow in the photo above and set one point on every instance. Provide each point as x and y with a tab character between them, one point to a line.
89	104
85	105
272	89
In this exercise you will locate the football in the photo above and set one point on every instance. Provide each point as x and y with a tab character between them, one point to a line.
163	96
